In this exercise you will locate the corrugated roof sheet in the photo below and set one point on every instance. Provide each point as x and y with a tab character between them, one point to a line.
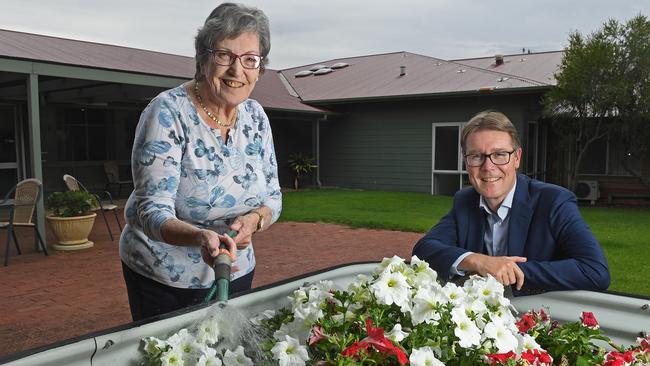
270	91
366	77
272	94
540	67
42	48
378	76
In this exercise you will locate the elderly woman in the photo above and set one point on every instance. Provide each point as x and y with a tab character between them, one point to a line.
203	164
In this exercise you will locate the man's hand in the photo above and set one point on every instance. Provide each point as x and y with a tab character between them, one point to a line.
504	269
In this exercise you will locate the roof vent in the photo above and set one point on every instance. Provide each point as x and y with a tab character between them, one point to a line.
437	64
317	67
323	71
498	59
502	79
302	73
522	59
402	70
339	65
461	71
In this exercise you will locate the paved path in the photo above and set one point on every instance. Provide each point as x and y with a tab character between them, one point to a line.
45	300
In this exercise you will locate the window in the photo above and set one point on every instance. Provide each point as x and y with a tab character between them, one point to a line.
610	156
448	173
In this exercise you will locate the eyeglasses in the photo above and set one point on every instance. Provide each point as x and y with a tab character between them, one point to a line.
227	58
497	158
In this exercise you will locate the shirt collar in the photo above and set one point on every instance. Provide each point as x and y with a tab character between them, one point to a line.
505	206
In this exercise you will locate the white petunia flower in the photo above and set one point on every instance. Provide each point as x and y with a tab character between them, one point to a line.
290	352
298	328
172	357
423	275
179	338
502	337
527	342
392	288
424	357
153	345
456	295
236	358
425	306
490	290
208	332
396	334
393	264
209	358
466	330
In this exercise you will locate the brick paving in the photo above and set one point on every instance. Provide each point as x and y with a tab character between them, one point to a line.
68	294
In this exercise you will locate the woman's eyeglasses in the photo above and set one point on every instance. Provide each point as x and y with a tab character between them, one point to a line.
227	58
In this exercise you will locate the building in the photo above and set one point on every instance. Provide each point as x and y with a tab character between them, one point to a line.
388	121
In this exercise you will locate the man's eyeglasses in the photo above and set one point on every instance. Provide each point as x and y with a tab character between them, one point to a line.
227	58
497	158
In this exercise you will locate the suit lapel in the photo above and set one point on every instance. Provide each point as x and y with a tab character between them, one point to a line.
520	216
476	228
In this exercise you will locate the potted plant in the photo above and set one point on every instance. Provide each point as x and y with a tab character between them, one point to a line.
300	164
71	218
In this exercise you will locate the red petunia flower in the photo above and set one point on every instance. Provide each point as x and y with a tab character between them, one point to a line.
525	323
535	357
589	320
500	358
377	340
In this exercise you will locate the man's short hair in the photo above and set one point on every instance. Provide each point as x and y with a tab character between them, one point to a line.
490	120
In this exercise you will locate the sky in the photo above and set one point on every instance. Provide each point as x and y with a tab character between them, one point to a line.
307	32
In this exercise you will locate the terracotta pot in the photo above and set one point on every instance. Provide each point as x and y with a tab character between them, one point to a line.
72	232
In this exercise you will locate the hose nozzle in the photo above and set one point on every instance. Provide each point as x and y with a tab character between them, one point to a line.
221	266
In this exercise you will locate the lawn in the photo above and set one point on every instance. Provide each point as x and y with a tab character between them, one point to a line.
624	233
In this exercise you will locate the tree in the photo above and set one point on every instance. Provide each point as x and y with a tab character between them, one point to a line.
603	89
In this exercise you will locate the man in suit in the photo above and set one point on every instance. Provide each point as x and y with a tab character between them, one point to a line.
524	232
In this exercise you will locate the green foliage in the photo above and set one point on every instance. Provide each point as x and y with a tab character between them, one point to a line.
300	164
403	211
71	203
603	88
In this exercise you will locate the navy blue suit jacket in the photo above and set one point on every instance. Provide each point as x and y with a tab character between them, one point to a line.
545	227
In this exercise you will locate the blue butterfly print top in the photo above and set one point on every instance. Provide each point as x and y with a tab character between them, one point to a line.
183	169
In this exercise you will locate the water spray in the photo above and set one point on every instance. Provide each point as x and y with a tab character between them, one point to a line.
221	267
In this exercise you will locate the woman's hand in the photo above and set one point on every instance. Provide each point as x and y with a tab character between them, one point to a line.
245	226
210	241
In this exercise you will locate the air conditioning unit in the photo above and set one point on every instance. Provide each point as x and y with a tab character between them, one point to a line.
587	190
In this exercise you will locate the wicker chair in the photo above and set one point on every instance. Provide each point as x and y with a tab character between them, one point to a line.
21	213
104	198
112	171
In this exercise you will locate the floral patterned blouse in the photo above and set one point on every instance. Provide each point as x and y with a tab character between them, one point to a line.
182	168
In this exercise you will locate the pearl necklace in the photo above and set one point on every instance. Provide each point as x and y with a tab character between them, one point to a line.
212	116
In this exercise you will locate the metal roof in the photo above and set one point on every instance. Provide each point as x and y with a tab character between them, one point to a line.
398	75
390	75
36	47
540	67
270	91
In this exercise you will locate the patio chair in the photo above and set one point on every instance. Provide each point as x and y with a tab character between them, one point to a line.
21	213
104	199
112	171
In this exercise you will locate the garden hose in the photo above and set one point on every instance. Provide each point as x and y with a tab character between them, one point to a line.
221	267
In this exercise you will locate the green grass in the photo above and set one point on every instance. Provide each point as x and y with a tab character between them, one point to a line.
624	233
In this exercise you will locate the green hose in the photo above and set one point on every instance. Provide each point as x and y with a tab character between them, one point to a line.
221	267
